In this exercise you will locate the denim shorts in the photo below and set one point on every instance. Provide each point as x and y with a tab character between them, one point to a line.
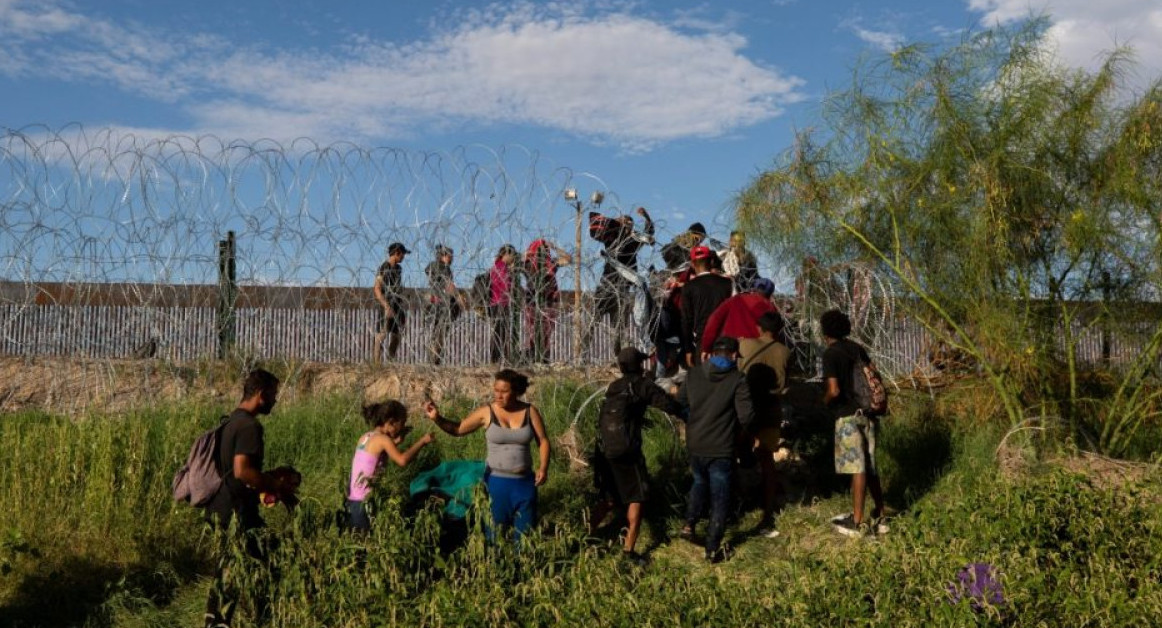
357	518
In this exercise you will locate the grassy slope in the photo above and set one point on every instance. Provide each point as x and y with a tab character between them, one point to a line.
91	536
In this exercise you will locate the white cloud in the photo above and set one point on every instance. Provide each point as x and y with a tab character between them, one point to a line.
1082	31
606	75
880	39
707	18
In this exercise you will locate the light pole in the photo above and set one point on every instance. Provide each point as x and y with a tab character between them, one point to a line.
594	202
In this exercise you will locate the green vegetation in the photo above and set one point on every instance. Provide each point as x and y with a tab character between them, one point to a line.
1015	204
91	537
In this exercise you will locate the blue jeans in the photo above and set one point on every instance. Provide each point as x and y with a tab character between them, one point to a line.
513	502
712	478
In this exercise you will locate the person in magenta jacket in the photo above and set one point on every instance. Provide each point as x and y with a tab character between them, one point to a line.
504	283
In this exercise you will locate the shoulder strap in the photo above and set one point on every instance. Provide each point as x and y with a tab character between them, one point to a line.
491	416
742	366
218	447
857	352
634	387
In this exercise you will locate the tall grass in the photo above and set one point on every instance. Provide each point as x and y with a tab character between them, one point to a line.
91	536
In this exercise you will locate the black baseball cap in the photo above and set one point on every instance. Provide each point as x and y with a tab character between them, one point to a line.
397	247
725	344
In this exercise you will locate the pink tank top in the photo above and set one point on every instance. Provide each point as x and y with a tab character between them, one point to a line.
364	466
501	284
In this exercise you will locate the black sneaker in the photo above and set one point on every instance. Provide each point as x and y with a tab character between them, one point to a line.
719	555
847	527
766	528
770	532
635	558
878	526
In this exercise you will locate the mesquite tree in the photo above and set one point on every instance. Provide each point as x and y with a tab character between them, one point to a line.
1015	202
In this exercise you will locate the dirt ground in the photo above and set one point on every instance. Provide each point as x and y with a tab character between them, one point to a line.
78	386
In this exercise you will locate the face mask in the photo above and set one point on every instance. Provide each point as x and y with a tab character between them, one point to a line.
721	362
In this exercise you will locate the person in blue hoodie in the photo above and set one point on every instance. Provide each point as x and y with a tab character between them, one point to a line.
720	408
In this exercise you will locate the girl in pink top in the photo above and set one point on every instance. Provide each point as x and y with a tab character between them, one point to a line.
388	422
502	308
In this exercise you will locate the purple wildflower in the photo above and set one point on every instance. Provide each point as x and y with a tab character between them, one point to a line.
978	582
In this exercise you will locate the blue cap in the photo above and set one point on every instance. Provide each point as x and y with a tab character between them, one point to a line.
763	286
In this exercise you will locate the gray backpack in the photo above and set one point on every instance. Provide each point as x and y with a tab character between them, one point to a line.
198	481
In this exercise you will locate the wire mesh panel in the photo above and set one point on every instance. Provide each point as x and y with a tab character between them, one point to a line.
114	245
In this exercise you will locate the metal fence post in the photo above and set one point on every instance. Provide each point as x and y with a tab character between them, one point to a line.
227	295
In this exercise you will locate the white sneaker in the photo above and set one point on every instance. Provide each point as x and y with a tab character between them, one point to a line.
770	533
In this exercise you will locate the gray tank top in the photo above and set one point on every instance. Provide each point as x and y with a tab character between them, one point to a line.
508	448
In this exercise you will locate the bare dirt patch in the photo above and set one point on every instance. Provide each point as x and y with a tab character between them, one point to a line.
78	385
1107	472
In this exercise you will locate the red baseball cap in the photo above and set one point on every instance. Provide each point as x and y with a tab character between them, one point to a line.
700	252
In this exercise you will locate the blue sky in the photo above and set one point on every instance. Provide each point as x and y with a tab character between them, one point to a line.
670	105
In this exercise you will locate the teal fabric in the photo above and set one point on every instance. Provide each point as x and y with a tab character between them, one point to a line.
453	479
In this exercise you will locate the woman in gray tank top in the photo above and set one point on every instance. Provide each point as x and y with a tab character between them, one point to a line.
510	424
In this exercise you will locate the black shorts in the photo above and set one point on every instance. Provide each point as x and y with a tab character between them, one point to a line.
624	481
394	324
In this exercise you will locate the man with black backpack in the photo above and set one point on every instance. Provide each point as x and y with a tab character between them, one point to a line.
619	468
720	410
241	450
856	416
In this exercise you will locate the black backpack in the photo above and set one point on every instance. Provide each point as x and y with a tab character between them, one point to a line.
868	392
619	432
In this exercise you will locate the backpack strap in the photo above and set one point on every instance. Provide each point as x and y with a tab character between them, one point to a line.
742	366
857	353
218	448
